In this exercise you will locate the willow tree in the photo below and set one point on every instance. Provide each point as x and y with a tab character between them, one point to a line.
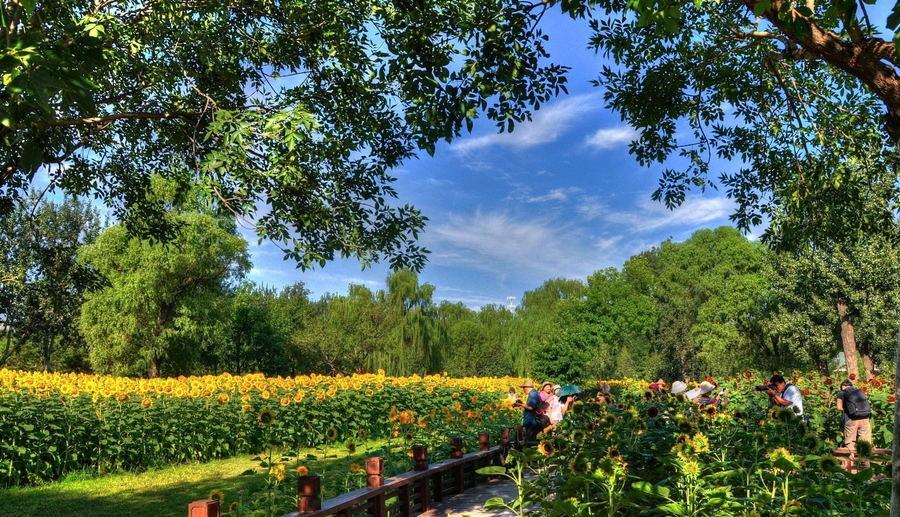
416	339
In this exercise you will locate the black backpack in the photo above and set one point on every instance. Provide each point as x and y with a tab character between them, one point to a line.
856	404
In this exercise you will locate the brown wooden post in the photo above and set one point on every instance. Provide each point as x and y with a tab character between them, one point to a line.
425	494
504	441
438	486
375	471
403	497
520	437
456	445
309	489
420	457
375	476
484	441
204	508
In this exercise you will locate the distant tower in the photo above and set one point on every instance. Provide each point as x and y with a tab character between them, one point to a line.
511	303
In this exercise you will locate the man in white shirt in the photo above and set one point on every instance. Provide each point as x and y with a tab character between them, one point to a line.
785	395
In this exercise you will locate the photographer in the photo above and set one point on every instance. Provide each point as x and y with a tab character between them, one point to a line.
853	403
783	394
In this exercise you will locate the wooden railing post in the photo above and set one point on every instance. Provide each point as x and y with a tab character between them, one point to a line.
204	508
309	489
456	445
504	441
375	471
375	479
520	437
484	441
420	460
420	457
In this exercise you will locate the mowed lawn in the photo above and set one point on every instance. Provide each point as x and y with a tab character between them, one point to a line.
163	492
157	493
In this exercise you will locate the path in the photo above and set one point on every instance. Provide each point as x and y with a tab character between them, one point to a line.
469	502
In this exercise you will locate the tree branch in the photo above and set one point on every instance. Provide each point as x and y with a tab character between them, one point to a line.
864	60
132	115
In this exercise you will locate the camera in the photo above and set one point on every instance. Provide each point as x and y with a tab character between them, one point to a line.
764	387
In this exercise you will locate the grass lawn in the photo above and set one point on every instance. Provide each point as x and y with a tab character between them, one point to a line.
162	492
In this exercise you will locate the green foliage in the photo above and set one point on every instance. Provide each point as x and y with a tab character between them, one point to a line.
163	307
741	97
708	294
43	437
661	455
299	107
42	284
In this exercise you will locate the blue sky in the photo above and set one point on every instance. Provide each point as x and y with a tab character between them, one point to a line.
559	197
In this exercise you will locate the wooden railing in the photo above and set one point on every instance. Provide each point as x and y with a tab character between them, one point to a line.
853	463
401	495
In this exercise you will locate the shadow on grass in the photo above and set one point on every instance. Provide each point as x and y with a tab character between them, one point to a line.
167	492
77	499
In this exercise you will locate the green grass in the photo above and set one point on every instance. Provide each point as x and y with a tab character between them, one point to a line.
166	491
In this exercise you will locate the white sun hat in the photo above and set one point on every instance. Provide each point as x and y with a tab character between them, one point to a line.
678	387
706	387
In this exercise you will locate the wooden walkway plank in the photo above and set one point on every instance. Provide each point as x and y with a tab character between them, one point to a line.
469	503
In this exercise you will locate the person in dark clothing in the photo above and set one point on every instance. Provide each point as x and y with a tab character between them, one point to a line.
854	407
532	420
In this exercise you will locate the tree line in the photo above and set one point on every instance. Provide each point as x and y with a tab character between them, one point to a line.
80	295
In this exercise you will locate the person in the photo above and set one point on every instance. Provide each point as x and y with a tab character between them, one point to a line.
785	395
704	394
658	386
557	408
531	420
511	396
546	399
856	412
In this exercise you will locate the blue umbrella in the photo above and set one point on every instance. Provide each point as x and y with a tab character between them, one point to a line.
569	389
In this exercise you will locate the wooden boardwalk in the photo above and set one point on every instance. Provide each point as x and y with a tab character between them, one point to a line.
469	503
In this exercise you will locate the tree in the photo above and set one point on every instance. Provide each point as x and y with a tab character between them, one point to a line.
597	333
344	334
415	342
852	292
257	342
42	284
708	293
290	114
536	322
162	302
777	98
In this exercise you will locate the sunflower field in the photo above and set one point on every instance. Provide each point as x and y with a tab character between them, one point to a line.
52	424
638	452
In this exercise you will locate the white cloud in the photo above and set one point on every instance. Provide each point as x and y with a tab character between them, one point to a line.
651	215
590	207
610	137
502	244
264	273
547	125
558	194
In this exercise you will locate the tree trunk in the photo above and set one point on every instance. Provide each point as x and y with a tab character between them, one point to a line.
895	455
868	365
45	352
153	369
848	338
7	351
165	315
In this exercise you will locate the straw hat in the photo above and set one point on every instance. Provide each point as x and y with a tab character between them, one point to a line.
527	384
678	387
705	387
